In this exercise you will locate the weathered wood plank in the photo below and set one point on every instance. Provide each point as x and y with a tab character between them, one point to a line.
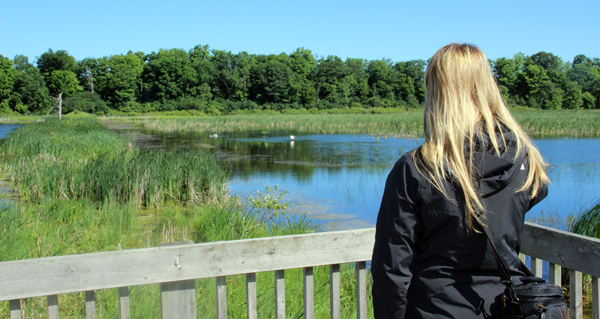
53	307
15	309
555	274
309	292
90	304
178	299
563	248
124	302
279	294
221	297
595	298
575	294
361	290
334	292
65	274
536	267
251	296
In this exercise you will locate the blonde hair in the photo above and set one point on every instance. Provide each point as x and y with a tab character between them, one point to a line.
462	101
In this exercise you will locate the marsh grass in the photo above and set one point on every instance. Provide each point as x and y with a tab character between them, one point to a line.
78	158
78	188
537	123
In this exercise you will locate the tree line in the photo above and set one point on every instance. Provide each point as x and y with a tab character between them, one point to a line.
219	82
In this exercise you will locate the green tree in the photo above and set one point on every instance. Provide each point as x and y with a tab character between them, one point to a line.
7	80
33	93
415	71
507	72
65	82
52	61
328	73
271	80
382	79
168	76
124	80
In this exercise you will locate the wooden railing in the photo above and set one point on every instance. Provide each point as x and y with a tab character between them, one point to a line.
175	267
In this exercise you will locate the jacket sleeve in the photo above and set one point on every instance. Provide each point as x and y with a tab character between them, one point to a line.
541	194
396	234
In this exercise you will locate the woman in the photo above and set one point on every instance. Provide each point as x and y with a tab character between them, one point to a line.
476	168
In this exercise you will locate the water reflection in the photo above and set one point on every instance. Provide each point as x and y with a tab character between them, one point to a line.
339	179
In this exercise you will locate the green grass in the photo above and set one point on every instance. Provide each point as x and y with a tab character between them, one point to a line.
537	123
79	189
78	158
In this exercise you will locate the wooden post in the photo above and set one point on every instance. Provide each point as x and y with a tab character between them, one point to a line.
90	304
595	298
361	290
53	307
221	283
251	296
334	291
309	293
279	294
15	309
575	294
536	267
178	298
124	302
555	274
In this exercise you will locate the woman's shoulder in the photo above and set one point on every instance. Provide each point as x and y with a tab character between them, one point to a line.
406	170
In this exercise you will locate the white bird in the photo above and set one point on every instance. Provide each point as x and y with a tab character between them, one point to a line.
292	137
214	135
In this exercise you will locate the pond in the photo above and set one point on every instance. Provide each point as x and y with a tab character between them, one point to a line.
338	180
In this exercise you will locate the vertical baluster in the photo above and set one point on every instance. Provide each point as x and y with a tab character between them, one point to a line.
90	305
595	298
124	302
555	274
575	293
309	293
361	290
15	309
334	291
536	267
52	307
251	296
221	297
279	294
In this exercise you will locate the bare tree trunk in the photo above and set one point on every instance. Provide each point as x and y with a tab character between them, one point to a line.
60	105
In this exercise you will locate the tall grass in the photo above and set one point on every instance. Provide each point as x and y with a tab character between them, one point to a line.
537	123
78	158
79	188
587	222
403	124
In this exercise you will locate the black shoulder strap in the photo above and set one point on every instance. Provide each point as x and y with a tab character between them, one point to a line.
502	269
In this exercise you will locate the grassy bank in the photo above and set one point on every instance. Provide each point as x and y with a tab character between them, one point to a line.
537	123
78	188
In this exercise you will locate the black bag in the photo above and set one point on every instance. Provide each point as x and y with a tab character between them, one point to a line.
532	298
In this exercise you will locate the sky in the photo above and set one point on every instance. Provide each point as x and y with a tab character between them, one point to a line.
396	30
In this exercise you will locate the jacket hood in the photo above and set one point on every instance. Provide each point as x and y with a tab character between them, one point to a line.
496	171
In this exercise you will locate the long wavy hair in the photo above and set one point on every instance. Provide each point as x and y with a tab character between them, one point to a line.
462	100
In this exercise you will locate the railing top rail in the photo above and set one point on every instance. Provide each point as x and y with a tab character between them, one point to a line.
65	274
562	248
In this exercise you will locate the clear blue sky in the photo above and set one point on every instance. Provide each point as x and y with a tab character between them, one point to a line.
398	30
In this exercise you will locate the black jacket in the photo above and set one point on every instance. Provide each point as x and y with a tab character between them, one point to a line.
426	263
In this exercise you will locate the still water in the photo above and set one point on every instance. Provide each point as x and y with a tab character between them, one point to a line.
338	180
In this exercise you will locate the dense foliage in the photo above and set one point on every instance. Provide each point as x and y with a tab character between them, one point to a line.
213	82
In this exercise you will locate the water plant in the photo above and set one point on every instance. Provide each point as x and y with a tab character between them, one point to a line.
537	123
